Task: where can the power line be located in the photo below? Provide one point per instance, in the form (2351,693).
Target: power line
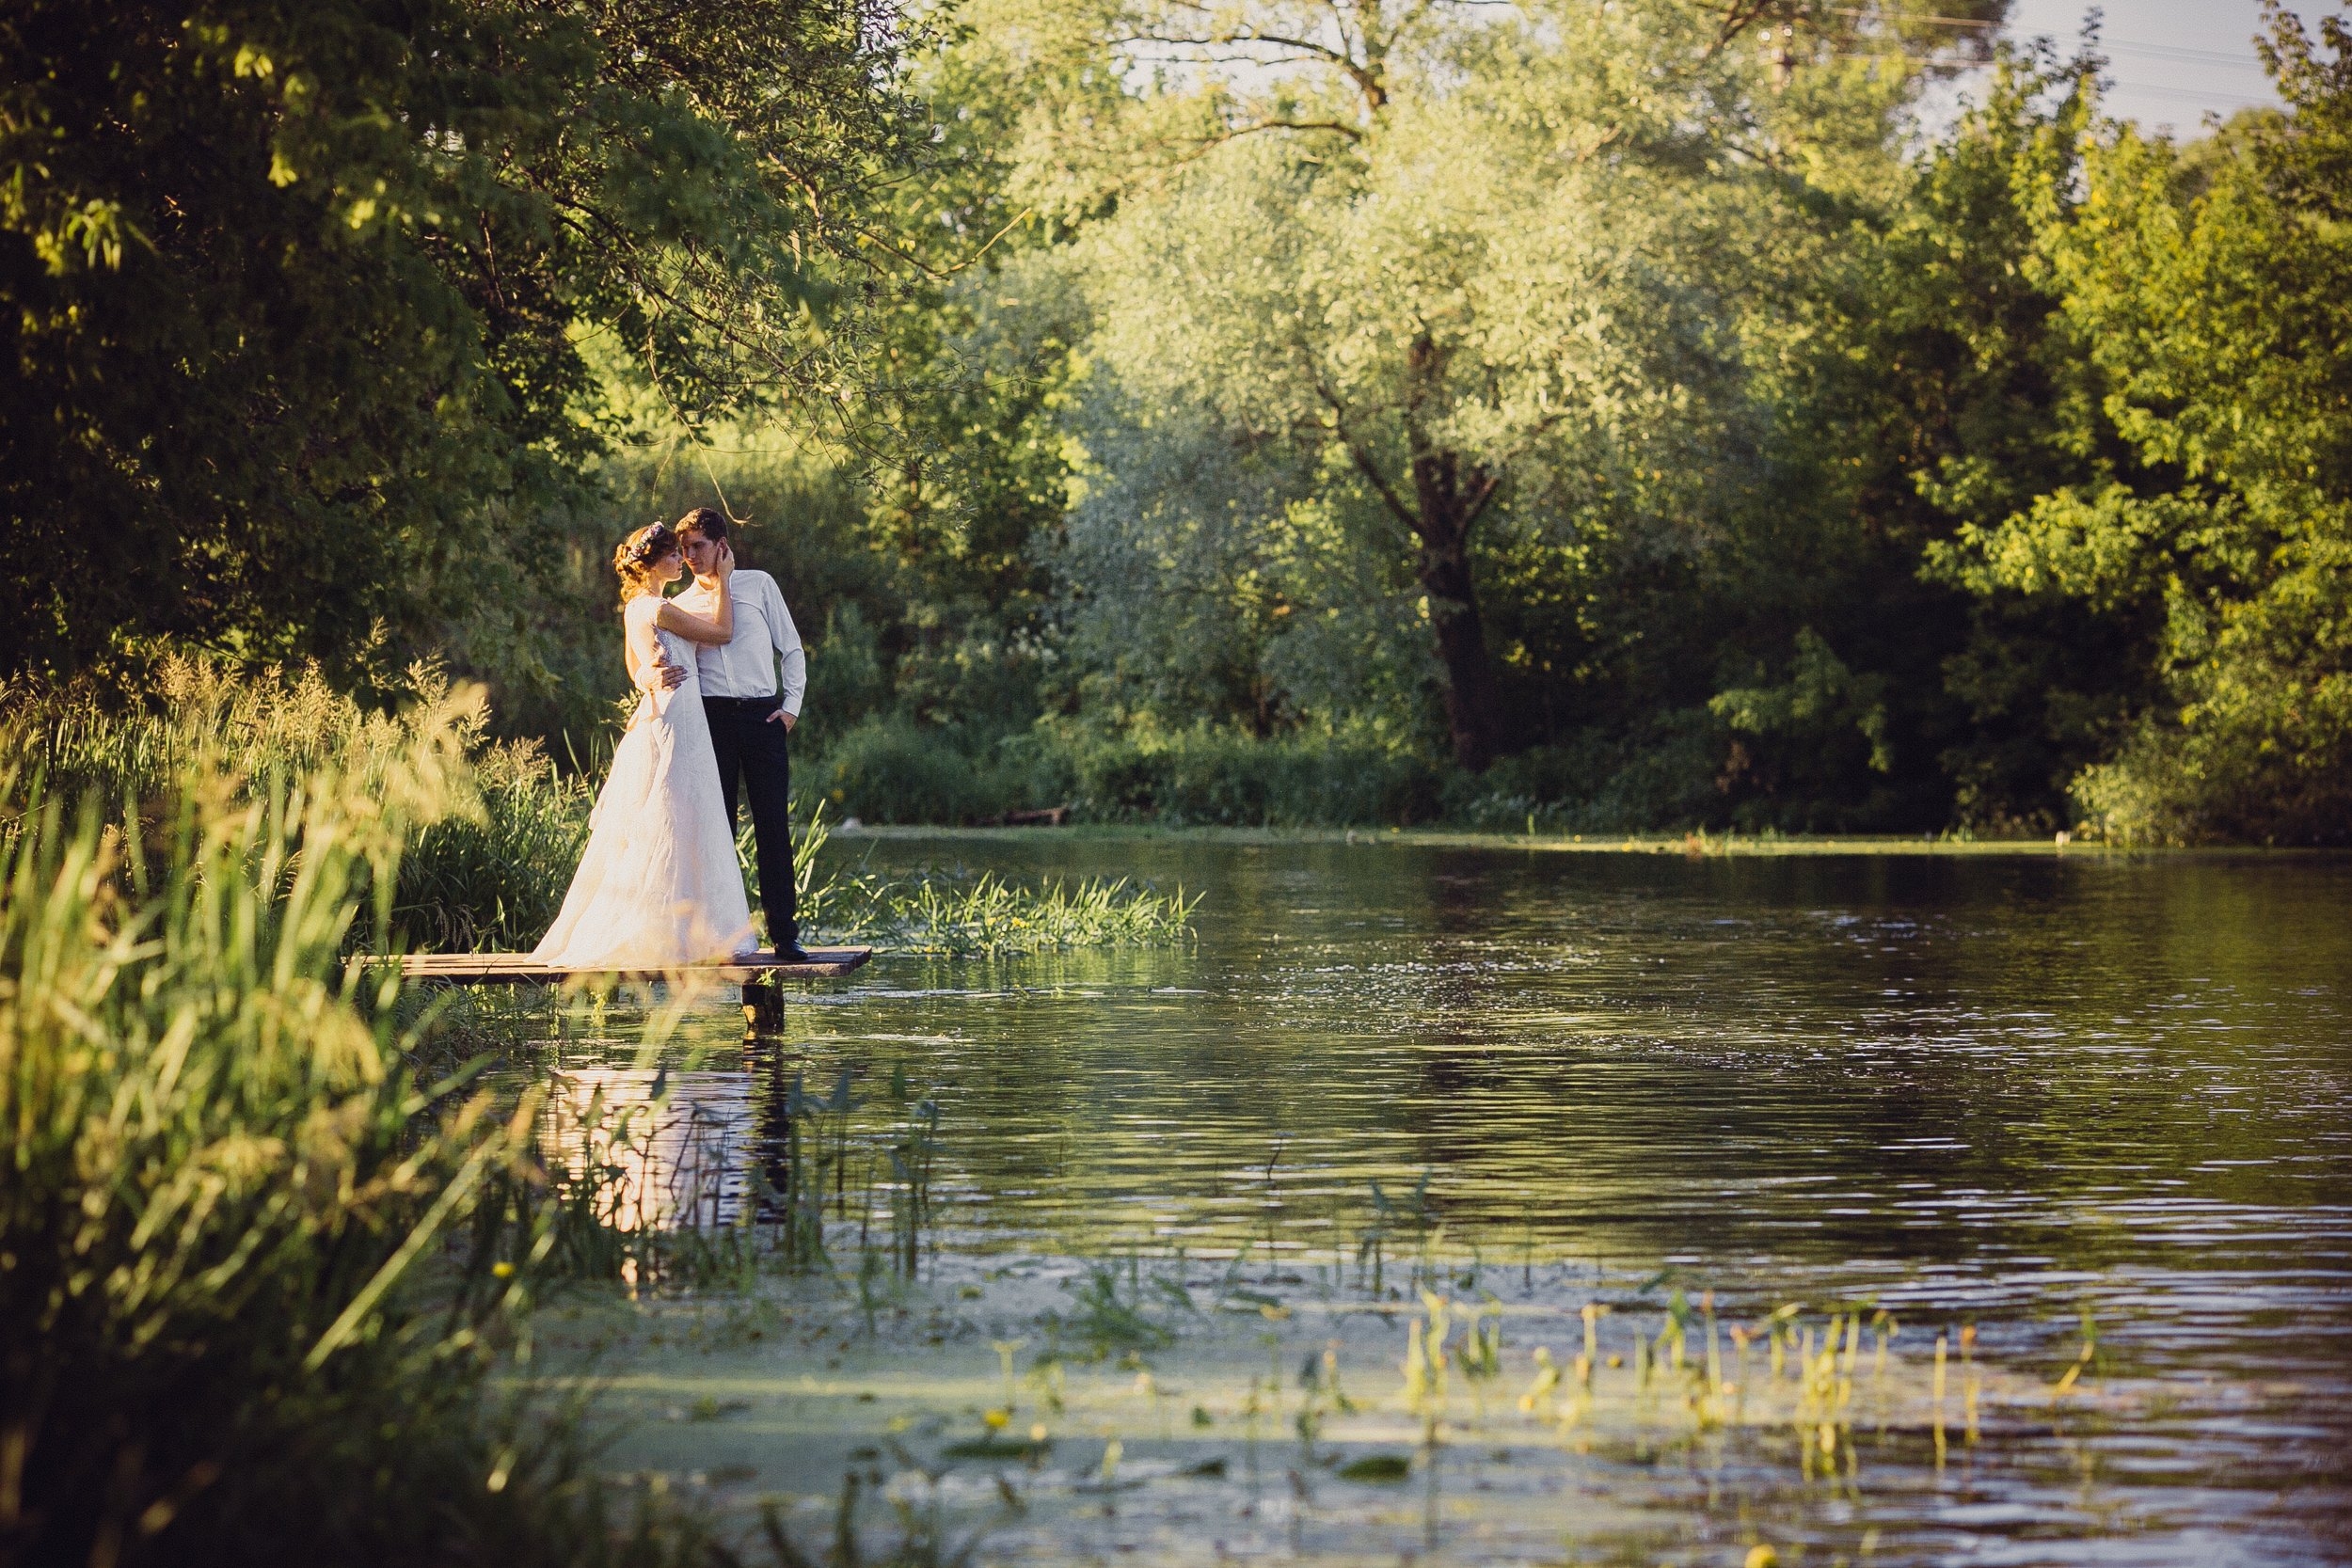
(2186,57)
(2196,95)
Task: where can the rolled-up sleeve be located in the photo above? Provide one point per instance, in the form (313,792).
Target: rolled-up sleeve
(789,650)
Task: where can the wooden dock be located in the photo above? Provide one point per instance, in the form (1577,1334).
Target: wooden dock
(522,969)
(760,974)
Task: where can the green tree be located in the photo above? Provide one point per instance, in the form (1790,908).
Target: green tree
(1925,378)
(305,304)
(2213,285)
(1435,328)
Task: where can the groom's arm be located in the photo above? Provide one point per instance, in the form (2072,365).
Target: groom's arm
(792,660)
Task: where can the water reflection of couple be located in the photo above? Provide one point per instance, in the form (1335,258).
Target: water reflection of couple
(721,672)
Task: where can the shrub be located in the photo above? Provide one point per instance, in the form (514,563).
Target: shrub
(1226,777)
(886,770)
(1666,777)
(2169,785)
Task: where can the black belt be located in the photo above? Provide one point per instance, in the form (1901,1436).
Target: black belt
(772,700)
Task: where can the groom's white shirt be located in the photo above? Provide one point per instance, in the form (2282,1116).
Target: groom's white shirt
(764,635)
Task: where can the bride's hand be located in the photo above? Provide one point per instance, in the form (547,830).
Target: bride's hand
(723,567)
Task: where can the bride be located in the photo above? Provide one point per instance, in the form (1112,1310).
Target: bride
(659,884)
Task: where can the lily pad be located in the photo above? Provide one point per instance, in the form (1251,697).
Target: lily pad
(1377,1469)
(990,1448)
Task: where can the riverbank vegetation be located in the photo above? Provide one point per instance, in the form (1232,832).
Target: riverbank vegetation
(487,868)
(271,1242)
(293,1277)
(1154,414)
(261,1258)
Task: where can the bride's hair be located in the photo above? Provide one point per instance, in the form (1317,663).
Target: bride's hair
(634,557)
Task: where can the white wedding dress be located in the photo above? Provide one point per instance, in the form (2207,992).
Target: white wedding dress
(659,884)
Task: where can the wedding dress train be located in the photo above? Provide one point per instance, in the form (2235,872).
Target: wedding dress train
(659,884)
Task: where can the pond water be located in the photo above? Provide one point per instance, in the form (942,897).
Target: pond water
(2048,1096)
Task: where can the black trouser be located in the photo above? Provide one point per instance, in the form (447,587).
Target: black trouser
(753,754)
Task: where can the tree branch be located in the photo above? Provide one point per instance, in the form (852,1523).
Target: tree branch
(1739,16)
(1363,459)
(1487,484)
(1236,133)
(932,272)
(1375,93)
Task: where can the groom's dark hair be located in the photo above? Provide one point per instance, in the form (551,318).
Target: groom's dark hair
(702,520)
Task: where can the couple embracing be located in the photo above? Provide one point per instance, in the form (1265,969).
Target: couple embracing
(721,672)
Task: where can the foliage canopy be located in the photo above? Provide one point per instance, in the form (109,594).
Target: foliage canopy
(310,306)
(1627,415)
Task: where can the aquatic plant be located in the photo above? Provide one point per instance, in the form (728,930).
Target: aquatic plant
(914,1159)
(1105,1319)
(663,1194)
(987,916)
(1416,1217)
(923,1540)
(598,1205)
(980,917)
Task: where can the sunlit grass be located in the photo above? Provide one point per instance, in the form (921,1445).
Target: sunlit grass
(986,916)
(223,1182)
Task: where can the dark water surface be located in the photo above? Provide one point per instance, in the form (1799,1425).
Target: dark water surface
(2010,1091)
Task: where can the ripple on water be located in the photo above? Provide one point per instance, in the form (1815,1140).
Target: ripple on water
(2022,1091)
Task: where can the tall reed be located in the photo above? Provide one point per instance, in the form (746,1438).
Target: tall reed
(238,1325)
(487,872)
(487,869)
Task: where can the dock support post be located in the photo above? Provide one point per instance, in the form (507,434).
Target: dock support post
(763,1006)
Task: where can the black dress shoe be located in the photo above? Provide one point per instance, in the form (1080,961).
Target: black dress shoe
(793,953)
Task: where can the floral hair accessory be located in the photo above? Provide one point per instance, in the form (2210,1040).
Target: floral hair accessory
(656,541)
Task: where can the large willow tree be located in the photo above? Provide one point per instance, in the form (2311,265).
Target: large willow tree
(306,306)
(1455,260)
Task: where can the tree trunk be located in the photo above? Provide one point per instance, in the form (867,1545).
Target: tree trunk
(1444,512)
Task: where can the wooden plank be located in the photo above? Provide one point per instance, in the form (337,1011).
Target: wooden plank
(522,969)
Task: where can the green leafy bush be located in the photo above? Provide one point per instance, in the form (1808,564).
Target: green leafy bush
(887,769)
(1236,780)
(1665,777)
(492,880)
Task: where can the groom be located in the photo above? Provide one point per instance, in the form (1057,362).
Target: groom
(750,716)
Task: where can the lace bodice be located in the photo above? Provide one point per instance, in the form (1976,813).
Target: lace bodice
(638,621)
